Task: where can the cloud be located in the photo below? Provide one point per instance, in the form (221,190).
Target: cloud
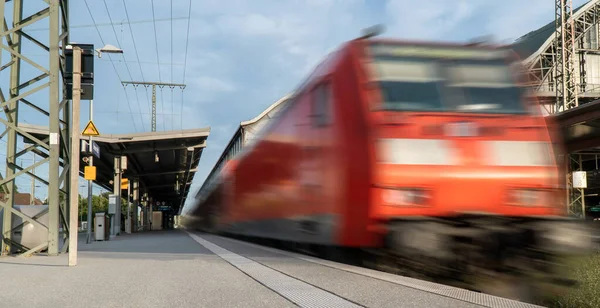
(426,20)
(508,24)
(208,87)
(462,20)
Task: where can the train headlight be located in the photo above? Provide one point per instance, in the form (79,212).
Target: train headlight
(530,197)
(406,197)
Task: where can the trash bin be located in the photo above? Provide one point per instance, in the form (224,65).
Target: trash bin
(100,227)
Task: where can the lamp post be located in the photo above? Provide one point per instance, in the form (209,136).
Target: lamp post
(106,49)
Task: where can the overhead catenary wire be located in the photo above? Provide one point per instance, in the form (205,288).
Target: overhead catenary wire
(137,54)
(162,105)
(156,42)
(106,24)
(172,102)
(126,65)
(187,41)
(113,63)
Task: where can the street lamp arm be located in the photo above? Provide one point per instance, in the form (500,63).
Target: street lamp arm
(108,48)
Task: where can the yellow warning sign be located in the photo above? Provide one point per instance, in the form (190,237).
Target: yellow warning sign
(124,183)
(89,173)
(90,130)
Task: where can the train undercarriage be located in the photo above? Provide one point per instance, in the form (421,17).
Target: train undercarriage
(513,257)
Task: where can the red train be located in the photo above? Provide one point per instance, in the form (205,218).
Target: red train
(430,152)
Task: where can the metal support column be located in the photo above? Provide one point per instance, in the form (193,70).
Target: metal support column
(119,211)
(55,16)
(55,135)
(12,114)
(576,199)
(154,84)
(153,107)
(142,209)
(117,192)
(148,212)
(90,183)
(32,197)
(136,191)
(566,83)
(128,227)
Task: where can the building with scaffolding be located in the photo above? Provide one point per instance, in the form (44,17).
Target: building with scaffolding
(563,62)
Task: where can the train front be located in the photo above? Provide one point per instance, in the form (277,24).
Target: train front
(465,175)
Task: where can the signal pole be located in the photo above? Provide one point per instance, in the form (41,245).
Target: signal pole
(90,208)
(153,84)
(74,163)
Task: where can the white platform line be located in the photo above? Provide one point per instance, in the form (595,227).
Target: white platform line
(294,290)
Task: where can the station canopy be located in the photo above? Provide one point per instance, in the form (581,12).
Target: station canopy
(165,162)
(580,127)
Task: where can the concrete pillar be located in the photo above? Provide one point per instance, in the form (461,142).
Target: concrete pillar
(115,223)
(136,203)
(145,211)
(149,212)
(129,214)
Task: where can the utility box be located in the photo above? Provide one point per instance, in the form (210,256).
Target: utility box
(157,220)
(101,227)
(113,204)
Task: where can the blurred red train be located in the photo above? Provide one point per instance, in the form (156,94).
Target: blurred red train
(428,151)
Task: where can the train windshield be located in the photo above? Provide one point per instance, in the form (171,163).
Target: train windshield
(471,81)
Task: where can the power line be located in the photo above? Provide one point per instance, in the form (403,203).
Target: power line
(156,42)
(148,62)
(126,66)
(172,102)
(187,41)
(113,63)
(136,51)
(109,24)
(162,105)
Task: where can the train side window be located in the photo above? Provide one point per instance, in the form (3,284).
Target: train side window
(321,105)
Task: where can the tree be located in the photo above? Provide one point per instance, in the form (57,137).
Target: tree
(99,205)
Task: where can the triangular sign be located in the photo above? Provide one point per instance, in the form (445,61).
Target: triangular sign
(90,130)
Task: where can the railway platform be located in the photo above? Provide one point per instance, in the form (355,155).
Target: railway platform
(178,268)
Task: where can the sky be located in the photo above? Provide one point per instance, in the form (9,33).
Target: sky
(240,55)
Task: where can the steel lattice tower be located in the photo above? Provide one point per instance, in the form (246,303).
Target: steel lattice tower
(566,89)
(54,149)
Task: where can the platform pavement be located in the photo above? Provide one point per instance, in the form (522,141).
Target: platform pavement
(178,269)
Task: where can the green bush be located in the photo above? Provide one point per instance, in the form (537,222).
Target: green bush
(587,294)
